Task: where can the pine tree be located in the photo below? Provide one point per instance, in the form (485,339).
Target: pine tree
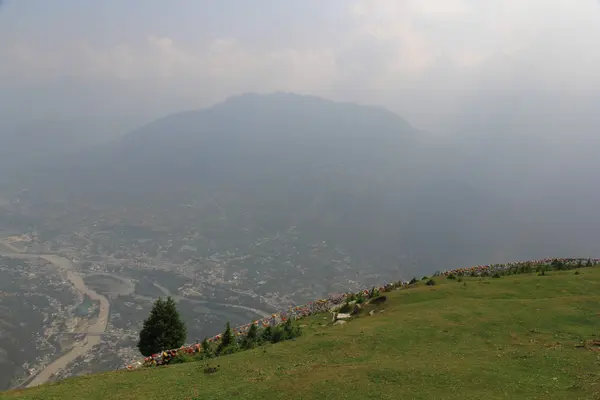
(163,329)
(267,333)
(251,338)
(227,339)
(206,349)
(291,330)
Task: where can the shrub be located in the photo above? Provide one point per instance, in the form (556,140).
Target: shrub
(451,276)
(558,265)
(412,281)
(183,358)
(211,370)
(346,308)
(424,278)
(374,292)
(360,298)
(577,272)
(430,282)
(232,348)
(496,275)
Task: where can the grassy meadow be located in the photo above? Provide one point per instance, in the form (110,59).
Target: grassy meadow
(515,337)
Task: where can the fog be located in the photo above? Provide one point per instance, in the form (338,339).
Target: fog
(439,63)
(514,84)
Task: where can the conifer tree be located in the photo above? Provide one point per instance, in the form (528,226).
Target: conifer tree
(267,333)
(291,330)
(227,339)
(206,349)
(251,338)
(163,329)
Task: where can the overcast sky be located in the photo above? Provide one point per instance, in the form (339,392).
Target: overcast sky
(429,60)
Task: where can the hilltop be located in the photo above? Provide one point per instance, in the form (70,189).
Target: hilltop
(516,337)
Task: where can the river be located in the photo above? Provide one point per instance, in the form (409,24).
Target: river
(96,325)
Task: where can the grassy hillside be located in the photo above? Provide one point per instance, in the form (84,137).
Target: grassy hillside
(516,337)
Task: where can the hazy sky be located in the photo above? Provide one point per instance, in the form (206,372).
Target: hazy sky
(428,60)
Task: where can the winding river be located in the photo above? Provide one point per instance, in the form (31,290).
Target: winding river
(95,326)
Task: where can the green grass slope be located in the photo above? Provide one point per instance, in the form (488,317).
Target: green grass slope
(517,337)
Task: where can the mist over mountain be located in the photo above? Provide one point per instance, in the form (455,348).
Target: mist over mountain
(221,153)
(29,144)
(357,177)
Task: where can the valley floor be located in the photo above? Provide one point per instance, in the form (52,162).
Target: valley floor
(516,337)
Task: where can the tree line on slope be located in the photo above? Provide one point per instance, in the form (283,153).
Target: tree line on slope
(163,336)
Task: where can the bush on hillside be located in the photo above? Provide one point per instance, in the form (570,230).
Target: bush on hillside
(232,348)
(424,278)
(451,276)
(210,369)
(558,265)
(360,298)
(430,282)
(346,308)
(496,275)
(412,281)
(283,332)
(374,292)
(163,329)
(185,358)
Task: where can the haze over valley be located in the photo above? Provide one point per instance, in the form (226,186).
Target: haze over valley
(242,172)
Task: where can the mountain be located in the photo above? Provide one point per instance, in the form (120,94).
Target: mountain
(285,160)
(358,178)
